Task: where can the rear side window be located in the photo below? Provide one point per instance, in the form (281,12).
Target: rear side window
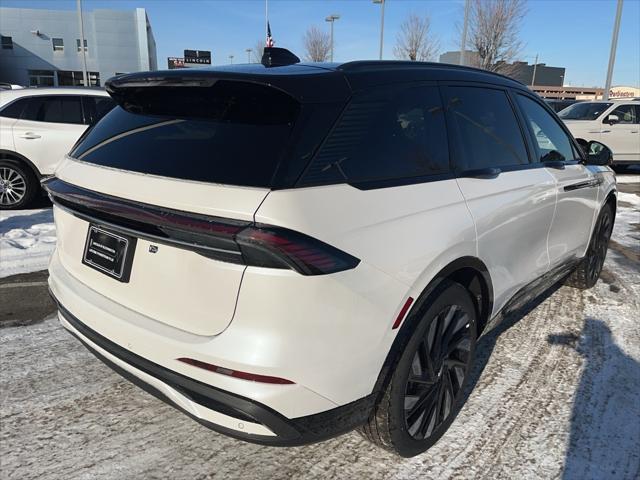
(96,107)
(486,129)
(552,143)
(385,135)
(239,137)
(54,109)
(14,109)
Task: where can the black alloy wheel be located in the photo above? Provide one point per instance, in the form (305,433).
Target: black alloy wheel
(428,385)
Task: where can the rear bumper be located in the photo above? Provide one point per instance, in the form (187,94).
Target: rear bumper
(219,410)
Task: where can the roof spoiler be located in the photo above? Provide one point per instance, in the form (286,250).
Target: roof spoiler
(278,57)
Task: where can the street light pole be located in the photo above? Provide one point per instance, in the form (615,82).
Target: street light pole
(249,50)
(535,67)
(85,75)
(465,26)
(332,18)
(381,2)
(612,54)
(231,58)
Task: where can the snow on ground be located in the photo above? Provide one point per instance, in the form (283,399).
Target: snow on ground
(556,394)
(27,239)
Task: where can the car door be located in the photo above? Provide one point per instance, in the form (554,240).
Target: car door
(623,136)
(48,128)
(511,200)
(576,184)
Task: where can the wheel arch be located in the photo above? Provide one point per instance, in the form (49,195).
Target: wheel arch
(11,155)
(471,273)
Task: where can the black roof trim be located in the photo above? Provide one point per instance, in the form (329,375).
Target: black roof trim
(381,65)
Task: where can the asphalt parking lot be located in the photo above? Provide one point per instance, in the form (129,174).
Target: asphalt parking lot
(556,393)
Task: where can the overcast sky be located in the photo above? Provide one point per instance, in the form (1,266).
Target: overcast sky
(575,34)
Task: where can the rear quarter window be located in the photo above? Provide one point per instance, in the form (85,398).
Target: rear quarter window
(238,139)
(384,135)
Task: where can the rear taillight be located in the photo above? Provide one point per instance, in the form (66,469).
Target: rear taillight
(254,377)
(223,239)
(274,247)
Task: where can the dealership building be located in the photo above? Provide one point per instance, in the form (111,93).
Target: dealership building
(40,47)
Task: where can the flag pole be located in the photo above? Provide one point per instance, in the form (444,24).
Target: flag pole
(266,17)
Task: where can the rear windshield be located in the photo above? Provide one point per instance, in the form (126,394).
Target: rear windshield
(236,136)
(583,111)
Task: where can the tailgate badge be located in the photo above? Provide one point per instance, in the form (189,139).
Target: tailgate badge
(153,248)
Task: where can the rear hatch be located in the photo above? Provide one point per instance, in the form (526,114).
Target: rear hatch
(155,202)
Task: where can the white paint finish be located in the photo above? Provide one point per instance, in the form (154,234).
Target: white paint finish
(401,231)
(43,143)
(622,138)
(174,286)
(173,395)
(575,213)
(329,333)
(198,197)
(235,348)
(512,213)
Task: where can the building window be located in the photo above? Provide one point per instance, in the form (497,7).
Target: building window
(78,44)
(67,78)
(6,42)
(41,78)
(58,44)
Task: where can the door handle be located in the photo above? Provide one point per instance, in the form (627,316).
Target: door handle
(558,165)
(487,173)
(29,135)
(606,131)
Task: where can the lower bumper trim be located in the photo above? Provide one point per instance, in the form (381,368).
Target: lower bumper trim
(288,432)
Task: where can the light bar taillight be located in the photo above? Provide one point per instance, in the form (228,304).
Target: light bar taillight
(224,239)
(236,373)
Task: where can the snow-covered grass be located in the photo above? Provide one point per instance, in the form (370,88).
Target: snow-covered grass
(27,239)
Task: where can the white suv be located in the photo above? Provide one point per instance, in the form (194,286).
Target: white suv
(286,253)
(616,123)
(37,128)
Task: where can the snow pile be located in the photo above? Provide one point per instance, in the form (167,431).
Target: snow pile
(27,240)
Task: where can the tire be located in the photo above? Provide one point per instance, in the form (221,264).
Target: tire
(588,270)
(425,380)
(18,185)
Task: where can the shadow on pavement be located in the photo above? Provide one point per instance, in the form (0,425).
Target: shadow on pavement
(25,220)
(605,421)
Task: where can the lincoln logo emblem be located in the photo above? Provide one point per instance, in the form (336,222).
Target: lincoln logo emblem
(153,248)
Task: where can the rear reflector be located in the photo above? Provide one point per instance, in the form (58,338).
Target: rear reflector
(403,313)
(235,373)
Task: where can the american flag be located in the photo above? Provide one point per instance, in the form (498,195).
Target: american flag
(270,43)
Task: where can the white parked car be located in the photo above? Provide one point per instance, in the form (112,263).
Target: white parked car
(38,127)
(285,253)
(616,123)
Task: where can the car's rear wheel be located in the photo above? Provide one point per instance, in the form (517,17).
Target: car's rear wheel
(588,270)
(427,387)
(18,185)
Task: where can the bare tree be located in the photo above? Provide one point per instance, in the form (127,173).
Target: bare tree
(317,44)
(258,50)
(416,40)
(494,26)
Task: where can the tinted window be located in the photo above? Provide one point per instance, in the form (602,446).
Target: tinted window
(55,109)
(627,114)
(385,135)
(584,111)
(14,110)
(551,141)
(96,107)
(487,131)
(6,42)
(240,144)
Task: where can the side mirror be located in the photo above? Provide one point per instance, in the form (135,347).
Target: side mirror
(597,153)
(613,119)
